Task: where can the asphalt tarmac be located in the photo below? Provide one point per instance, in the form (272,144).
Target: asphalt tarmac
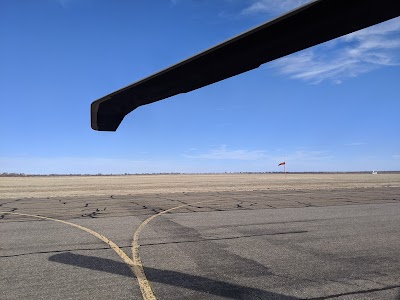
(301,244)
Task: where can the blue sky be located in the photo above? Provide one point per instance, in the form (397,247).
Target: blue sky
(334,107)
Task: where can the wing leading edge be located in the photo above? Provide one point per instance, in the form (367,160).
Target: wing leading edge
(307,26)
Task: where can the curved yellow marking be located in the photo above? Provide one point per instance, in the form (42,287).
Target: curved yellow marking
(106,240)
(136,263)
(144,283)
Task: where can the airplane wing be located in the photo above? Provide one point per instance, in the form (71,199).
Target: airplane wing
(307,26)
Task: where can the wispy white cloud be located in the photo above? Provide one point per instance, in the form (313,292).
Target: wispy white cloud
(347,56)
(312,155)
(64,3)
(223,158)
(355,144)
(222,152)
(80,165)
(272,6)
(220,159)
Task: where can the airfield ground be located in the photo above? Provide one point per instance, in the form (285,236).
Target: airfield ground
(235,236)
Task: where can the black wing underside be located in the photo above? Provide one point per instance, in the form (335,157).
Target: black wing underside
(307,26)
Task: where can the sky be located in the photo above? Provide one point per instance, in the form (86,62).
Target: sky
(332,107)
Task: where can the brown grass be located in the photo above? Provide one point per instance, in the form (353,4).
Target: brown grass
(40,187)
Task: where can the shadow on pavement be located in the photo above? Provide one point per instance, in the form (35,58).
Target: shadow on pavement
(178,279)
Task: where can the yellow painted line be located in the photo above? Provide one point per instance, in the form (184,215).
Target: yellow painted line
(144,283)
(106,240)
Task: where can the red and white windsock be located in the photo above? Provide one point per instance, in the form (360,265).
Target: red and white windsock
(282,163)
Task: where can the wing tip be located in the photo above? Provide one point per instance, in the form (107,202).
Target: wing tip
(102,119)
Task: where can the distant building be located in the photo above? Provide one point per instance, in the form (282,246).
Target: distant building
(374,172)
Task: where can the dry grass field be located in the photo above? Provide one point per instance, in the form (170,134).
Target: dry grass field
(86,186)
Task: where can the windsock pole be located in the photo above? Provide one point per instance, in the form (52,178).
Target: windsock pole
(284,169)
(284,165)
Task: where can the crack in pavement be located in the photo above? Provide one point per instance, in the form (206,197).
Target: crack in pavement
(58,251)
(391,287)
(224,238)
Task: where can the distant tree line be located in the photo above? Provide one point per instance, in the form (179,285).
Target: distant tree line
(12,174)
(6,174)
